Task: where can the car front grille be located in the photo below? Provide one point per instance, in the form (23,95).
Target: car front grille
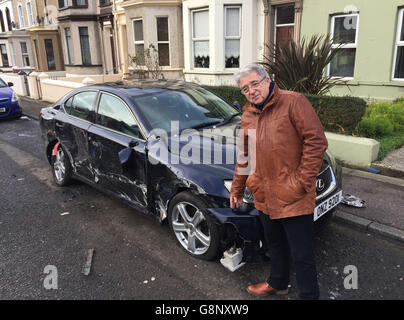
(325,182)
(3,100)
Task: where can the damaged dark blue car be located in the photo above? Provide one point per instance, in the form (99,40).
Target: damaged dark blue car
(168,149)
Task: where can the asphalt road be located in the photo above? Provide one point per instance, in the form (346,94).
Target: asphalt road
(44,229)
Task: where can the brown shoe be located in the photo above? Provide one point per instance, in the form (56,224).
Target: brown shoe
(264,289)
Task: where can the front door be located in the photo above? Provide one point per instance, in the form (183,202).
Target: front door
(50,55)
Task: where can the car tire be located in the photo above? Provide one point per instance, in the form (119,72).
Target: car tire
(61,168)
(194,230)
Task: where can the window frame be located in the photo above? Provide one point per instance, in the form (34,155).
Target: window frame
(193,40)
(141,130)
(30,14)
(93,108)
(69,55)
(21,18)
(276,24)
(239,7)
(47,54)
(89,46)
(344,46)
(25,54)
(137,42)
(398,43)
(65,4)
(164,42)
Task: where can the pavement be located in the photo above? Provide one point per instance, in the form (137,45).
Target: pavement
(383,192)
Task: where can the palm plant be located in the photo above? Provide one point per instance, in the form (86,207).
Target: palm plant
(301,66)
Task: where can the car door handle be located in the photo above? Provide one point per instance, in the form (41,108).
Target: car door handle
(60,125)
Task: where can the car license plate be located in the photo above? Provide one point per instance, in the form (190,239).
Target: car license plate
(327,205)
(3,110)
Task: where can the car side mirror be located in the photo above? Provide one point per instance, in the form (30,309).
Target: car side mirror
(237,106)
(10,84)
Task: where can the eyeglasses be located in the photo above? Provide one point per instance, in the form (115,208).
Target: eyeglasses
(254,85)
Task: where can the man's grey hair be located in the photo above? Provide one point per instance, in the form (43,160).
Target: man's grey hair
(248,69)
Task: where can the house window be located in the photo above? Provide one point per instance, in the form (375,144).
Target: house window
(139,41)
(50,56)
(232,34)
(284,24)
(21,17)
(398,71)
(4,56)
(29,14)
(79,3)
(200,38)
(8,17)
(62,4)
(344,32)
(24,53)
(85,46)
(105,2)
(69,46)
(163,43)
(3,28)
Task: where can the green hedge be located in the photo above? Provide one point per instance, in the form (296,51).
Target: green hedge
(337,114)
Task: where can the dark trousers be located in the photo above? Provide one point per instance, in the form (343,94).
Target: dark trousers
(292,237)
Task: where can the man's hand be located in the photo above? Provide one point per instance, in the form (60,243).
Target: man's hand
(235,202)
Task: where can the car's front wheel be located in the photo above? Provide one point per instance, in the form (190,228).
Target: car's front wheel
(194,230)
(61,168)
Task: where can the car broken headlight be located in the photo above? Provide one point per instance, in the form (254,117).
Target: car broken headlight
(14,98)
(247,196)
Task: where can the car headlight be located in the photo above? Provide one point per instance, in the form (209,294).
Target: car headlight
(14,98)
(247,196)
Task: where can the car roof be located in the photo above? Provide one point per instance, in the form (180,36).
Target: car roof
(132,86)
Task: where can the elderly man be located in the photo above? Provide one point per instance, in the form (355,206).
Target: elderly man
(290,144)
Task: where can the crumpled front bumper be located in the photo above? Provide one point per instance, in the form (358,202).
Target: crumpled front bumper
(248,227)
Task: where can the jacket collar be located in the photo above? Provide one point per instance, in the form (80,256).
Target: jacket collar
(270,102)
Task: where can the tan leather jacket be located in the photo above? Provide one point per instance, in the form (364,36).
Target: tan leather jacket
(290,144)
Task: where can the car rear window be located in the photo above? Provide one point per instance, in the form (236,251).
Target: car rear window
(81,104)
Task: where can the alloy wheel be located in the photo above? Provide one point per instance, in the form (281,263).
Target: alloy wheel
(191,228)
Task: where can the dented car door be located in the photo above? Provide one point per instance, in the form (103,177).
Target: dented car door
(118,152)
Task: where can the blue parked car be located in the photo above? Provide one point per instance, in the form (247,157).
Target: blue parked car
(9,106)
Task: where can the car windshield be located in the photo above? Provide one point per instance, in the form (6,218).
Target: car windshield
(190,107)
(2,84)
